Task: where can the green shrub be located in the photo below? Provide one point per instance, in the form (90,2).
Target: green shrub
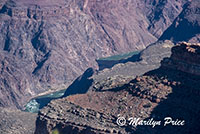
(55,131)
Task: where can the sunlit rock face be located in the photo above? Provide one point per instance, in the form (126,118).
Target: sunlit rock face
(186,60)
(40,2)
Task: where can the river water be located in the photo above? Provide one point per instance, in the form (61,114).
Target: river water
(35,104)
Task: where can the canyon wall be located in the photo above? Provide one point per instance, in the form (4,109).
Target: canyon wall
(53,42)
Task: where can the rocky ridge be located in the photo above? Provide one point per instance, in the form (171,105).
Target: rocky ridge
(163,92)
(121,73)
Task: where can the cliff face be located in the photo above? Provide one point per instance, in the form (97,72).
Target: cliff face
(187,22)
(13,81)
(185,57)
(134,24)
(53,42)
(167,91)
(161,14)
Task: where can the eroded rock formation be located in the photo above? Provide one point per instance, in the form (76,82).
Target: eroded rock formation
(157,94)
(185,57)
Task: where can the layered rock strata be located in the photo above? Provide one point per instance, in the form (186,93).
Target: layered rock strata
(160,93)
(186,59)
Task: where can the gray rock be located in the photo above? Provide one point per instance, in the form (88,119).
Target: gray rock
(16,122)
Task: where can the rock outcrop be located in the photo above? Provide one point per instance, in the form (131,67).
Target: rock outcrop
(185,57)
(121,73)
(53,42)
(16,122)
(164,92)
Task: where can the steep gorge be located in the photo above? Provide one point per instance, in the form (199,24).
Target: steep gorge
(47,44)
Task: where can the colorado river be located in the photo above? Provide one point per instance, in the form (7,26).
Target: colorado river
(35,104)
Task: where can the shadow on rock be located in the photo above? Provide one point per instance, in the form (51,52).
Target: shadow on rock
(81,84)
(181,105)
(110,63)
